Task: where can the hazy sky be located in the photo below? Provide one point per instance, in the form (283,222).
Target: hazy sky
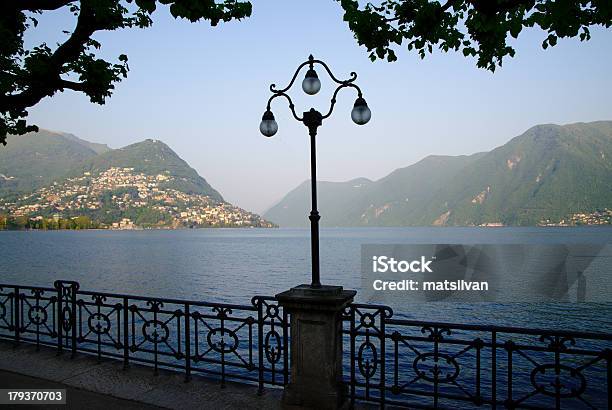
(203,90)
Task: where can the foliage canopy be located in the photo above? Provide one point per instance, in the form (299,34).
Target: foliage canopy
(29,75)
(476,28)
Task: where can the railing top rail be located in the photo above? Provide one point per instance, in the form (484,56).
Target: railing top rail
(503,329)
(387,309)
(484,327)
(148,298)
(4,285)
(170,300)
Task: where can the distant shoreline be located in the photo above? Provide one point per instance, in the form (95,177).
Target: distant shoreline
(609,226)
(140,229)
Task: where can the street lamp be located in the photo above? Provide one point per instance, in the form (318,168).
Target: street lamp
(313,119)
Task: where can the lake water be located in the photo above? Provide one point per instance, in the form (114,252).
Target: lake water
(232,265)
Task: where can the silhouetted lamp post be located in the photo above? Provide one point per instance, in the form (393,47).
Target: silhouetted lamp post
(313,119)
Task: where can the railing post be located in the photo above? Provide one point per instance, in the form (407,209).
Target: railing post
(222,345)
(316,345)
(285,348)
(436,335)
(187,343)
(126,339)
(478,344)
(383,316)
(16,314)
(352,341)
(494,370)
(260,345)
(509,347)
(60,321)
(609,371)
(73,317)
(557,347)
(66,313)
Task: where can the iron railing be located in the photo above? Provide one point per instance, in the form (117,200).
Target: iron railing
(232,342)
(388,361)
(419,364)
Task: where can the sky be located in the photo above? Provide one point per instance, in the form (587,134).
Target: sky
(202,90)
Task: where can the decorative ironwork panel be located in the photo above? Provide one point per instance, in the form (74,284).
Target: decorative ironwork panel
(66,314)
(367,351)
(223,340)
(37,309)
(553,371)
(155,332)
(28,314)
(7,311)
(272,341)
(438,365)
(99,324)
(248,343)
(391,361)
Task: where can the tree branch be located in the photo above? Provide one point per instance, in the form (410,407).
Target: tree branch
(27,76)
(72,47)
(443,8)
(448,4)
(48,83)
(72,85)
(32,5)
(488,7)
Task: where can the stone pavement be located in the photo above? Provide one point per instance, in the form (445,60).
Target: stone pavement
(93,385)
(77,398)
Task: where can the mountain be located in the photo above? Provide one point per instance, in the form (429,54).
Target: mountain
(334,197)
(549,172)
(151,157)
(56,180)
(545,175)
(97,148)
(36,159)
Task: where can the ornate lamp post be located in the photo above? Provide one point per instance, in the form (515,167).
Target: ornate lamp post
(315,311)
(313,119)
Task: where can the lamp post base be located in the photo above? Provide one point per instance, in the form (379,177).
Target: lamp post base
(316,346)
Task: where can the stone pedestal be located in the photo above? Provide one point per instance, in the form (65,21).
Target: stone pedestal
(316,346)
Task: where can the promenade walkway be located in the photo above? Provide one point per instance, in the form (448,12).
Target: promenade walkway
(105,385)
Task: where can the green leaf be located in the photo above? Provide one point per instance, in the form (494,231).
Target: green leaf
(516,27)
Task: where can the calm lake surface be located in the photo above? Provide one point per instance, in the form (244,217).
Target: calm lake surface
(232,265)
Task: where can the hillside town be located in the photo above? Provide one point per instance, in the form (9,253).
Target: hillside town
(599,217)
(121,198)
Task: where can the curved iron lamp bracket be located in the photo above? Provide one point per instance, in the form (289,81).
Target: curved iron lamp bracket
(310,63)
(333,100)
(291,105)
